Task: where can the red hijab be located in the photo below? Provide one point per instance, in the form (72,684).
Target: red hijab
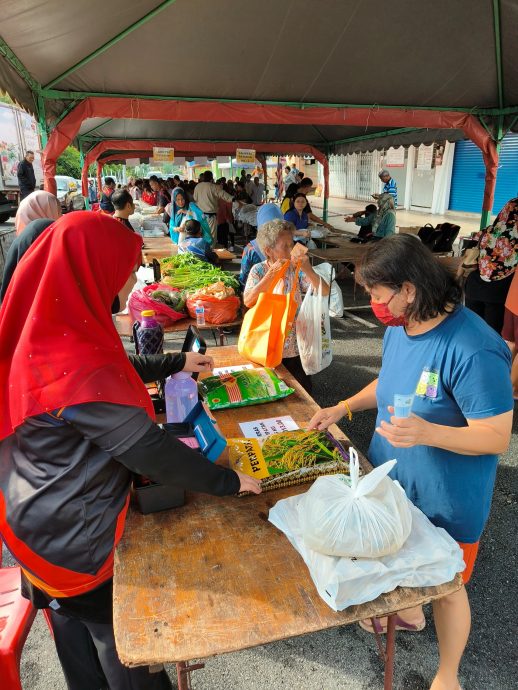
(58,344)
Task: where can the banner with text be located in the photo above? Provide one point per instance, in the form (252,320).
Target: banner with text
(163,155)
(245,156)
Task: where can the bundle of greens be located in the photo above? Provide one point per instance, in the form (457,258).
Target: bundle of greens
(186,272)
(175,300)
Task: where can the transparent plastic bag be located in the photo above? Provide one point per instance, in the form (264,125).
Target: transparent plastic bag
(336,300)
(313,329)
(367,519)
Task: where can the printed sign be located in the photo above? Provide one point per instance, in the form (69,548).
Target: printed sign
(395,158)
(424,157)
(245,156)
(163,155)
(132,162)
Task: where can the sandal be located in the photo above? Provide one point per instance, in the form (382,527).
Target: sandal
(401,624)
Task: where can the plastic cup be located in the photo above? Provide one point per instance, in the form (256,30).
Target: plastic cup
(403,404)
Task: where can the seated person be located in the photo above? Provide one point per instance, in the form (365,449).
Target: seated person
(195,244)
(384,222)
(108,189)
(298,216)
(306,187)
(364,219)
(124,206)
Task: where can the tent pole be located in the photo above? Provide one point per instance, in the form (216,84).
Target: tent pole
(42,122)
(84,174)
(326,187)
(491,173)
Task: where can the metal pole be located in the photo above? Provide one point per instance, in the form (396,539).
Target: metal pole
(82,163)
(485,216)
(42,122)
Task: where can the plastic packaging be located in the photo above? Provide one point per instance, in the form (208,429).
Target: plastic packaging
(200,314)
(149,334)
(141,300)
(181,396)
(247,387)
(403,404)
(314,332)
(217,311)
(368,519)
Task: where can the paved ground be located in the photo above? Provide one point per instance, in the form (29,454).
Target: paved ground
(345,658)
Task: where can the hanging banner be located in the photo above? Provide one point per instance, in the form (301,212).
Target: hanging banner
(133,162)
(222,160)
(180,160)
(163,155)
(395,158)
(201,160)
(245,156)
(424,157)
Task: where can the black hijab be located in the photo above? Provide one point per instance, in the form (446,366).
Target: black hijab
(29,234)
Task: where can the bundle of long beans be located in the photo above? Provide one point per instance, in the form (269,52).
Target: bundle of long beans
(291,450)
(186,272)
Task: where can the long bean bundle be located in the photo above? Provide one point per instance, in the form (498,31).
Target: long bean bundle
(291,450)
(186,272)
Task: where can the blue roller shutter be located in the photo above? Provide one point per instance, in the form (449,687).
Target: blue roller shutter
(467,180)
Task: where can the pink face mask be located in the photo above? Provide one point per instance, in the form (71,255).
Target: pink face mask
(382,313)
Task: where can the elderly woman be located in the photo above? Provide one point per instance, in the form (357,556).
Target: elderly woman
(36,206)
(457,369)
(275,240)
(384,222)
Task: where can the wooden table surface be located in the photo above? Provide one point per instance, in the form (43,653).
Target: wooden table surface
(162,247)
(124,325)
(345,252)
(215,576)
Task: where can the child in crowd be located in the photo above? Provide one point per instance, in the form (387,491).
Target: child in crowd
(195,244)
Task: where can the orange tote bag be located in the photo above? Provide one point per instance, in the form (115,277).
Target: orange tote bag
(267,323)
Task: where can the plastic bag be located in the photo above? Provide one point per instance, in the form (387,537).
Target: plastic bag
(368,519)
(140,300)
(217,311)
(428,558)
(314,332)
(336,300)
(246,387)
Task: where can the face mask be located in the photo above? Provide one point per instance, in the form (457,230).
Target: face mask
(382,313)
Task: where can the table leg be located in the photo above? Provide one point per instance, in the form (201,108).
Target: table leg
(183,672)
(387,652)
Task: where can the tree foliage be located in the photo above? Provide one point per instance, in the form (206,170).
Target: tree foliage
(69,163)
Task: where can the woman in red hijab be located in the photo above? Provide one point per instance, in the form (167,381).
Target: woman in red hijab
(76,422)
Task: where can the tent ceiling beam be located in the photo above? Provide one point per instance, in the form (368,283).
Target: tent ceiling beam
(498,53)
(143,20)
(376,135)
(18,66)
(55,94)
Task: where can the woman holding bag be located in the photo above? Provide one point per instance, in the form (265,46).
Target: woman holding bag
(275,240)
(456,370)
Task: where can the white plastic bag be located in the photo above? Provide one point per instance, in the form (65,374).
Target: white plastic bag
(336,301)
(314,332)
(429,557)
(368,519)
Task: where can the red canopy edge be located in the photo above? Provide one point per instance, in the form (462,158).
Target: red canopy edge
(204,111)
(127,149)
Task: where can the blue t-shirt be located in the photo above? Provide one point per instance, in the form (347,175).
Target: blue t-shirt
(199,247)
(301,222)
(459,370)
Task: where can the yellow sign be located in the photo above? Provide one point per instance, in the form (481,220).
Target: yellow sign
(245,156)
(163,155)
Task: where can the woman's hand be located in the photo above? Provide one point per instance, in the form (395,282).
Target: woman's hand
(274,270)
(248,483)
(304,262)
(324,418)
(405,432)
(349,219)
(198,363)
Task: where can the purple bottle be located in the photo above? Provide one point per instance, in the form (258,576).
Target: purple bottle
(181,395)
(149,334)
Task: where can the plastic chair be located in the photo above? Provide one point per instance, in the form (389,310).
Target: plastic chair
(16,617)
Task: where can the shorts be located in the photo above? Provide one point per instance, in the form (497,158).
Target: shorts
(510,327)
(469,554)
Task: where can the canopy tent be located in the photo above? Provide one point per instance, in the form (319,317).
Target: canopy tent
(352,76)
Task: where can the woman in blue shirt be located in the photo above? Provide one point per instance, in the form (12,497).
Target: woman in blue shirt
(384,222)
(457,369)
(298,216)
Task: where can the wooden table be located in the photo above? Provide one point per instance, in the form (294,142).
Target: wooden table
(214,576)
(124,325)
(162,247)
(345,252)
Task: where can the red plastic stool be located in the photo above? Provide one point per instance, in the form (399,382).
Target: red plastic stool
(16,617)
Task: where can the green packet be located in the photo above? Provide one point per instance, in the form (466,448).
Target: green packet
(240,388)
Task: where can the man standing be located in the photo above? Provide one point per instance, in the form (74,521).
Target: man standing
(26,176)
(257,192)
(389,185)
(92,192)
(124,207)
(206,196)
(291,176)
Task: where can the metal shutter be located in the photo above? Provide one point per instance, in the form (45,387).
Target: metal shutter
(468,175)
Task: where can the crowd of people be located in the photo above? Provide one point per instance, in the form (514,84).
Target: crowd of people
(77,419)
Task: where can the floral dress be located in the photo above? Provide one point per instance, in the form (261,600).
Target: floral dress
(499,245)
(257,273)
